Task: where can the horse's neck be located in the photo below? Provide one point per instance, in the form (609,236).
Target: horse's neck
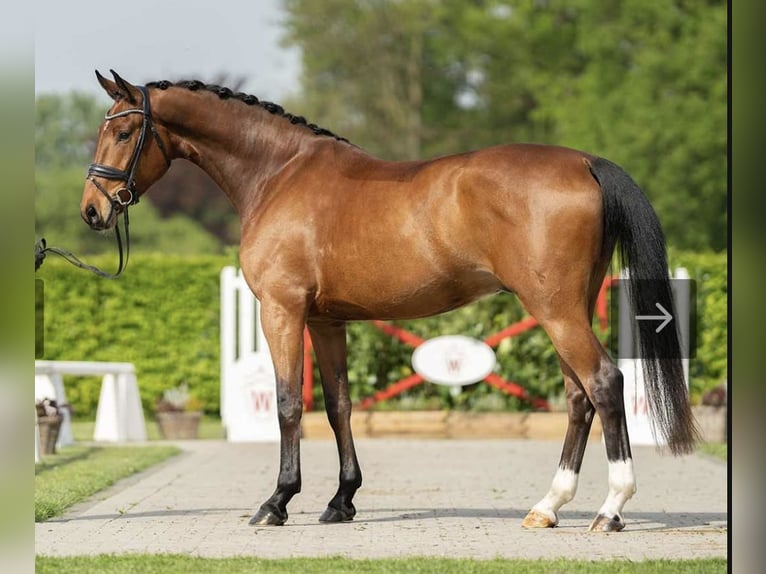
(240,147)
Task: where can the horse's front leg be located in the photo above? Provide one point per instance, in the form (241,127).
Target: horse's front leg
(329,339)
(283,321)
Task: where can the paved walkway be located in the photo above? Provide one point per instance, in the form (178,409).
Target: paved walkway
(456,498)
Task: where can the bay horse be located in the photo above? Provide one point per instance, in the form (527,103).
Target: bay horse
(330,234)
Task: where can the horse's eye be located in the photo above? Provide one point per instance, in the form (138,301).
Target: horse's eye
(123,136)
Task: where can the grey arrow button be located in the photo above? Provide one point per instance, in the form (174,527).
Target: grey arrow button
(665,318)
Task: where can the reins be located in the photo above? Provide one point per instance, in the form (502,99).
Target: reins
(41,250)
(116,201)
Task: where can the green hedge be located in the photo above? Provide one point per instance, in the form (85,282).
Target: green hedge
(163,315)
(709,270)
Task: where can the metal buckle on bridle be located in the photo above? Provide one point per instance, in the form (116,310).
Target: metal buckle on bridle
(132,198)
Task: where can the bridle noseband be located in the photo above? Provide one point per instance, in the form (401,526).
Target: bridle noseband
(116,201)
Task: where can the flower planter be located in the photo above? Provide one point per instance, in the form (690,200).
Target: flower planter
(447,424)
(49,427)
(712,422)
(179,425)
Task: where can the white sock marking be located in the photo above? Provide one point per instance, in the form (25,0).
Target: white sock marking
(622,486)
(562,491)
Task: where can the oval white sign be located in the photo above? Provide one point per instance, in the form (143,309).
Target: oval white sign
(453,360)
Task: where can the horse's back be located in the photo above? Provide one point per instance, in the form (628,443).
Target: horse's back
(529,169)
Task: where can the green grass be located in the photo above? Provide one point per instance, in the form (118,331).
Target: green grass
(64,479)
(170,564)
(715,449)
(209,428)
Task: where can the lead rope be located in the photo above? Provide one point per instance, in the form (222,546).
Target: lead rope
(41,250)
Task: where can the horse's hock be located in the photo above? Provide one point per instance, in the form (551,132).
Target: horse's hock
(446,424)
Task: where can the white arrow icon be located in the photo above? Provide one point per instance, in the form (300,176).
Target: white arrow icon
(665,317)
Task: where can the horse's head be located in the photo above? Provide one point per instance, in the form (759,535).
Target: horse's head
(130,155)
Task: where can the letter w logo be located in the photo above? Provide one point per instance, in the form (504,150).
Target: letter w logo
(454,365)
(261,400)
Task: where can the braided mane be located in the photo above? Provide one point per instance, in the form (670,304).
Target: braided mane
(226,93)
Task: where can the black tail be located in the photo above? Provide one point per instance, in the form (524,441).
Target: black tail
(630,221)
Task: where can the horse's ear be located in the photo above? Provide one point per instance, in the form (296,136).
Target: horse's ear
(130,91)
(110,87)
(119,89)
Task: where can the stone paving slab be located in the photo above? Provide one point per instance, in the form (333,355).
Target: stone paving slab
(453,498)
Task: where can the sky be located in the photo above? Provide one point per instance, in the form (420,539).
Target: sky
(147,40)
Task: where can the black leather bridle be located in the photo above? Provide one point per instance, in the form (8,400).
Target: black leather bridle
(117,201)
(127,175)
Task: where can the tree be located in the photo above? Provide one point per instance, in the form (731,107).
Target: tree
(368,81)
(652,96)
(65,129)
(410,78)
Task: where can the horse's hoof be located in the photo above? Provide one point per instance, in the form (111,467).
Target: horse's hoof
(268,517)
(535,519)
(334,515)
(606,524)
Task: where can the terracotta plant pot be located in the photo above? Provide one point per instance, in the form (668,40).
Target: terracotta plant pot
(179,425)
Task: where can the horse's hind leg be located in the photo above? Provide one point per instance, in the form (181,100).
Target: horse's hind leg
(544,514)
(581,412)
(329,340)
(601,382)
(607,396)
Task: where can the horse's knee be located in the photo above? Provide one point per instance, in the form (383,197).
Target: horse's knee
(289,410)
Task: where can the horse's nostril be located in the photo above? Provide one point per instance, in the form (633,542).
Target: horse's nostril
(91,213)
